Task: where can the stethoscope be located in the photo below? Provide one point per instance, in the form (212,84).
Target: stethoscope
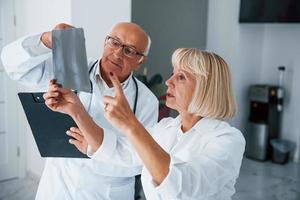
(134,80)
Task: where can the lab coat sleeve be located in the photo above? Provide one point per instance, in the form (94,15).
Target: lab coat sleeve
(119,150)
(28,61)
(205,174)
(107,148)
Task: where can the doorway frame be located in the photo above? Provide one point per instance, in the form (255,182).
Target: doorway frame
(9,24)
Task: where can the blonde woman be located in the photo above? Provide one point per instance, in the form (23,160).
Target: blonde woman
(196,155)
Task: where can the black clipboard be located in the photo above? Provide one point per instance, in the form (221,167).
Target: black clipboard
(48,127)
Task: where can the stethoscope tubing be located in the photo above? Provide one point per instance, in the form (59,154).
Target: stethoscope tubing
(135,83)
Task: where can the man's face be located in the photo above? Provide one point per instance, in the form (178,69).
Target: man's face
(115,60)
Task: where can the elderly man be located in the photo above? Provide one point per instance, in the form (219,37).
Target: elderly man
(29,61)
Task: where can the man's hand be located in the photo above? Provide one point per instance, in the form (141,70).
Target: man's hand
(46,37)
(62,100)
(78,139)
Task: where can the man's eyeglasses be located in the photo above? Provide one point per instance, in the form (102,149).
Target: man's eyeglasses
(127,50)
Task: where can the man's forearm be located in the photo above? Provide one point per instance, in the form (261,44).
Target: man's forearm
(91,131)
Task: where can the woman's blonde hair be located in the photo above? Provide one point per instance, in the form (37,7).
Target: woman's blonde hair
(213,95)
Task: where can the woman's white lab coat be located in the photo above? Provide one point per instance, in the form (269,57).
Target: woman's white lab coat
(205,161)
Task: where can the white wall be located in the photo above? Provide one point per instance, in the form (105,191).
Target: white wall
(35,16)
(254,51)
(240,46)
(281,46)
(96,17)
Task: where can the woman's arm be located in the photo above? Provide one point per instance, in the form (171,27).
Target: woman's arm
(118,112)
(208,172)
(155,159)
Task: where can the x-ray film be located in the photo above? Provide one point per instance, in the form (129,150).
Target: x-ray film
(70,60)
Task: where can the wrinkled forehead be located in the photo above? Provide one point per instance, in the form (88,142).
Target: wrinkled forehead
(131,35)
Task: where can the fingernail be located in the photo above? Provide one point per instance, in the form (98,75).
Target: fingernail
(70,141)
(68,132)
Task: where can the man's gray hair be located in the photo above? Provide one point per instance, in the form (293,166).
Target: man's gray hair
(146,52)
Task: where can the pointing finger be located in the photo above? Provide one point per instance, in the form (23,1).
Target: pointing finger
(116,83)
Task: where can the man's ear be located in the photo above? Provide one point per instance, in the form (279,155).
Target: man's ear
(140,62)
(143,60)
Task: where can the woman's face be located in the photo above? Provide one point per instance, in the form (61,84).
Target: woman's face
(181,86)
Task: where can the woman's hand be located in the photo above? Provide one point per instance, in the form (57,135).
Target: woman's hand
(118,112)
(78,139)
(62,100)
(117,109)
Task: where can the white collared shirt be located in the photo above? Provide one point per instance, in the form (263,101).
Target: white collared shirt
(103,85)
(29,62)
(205,161)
